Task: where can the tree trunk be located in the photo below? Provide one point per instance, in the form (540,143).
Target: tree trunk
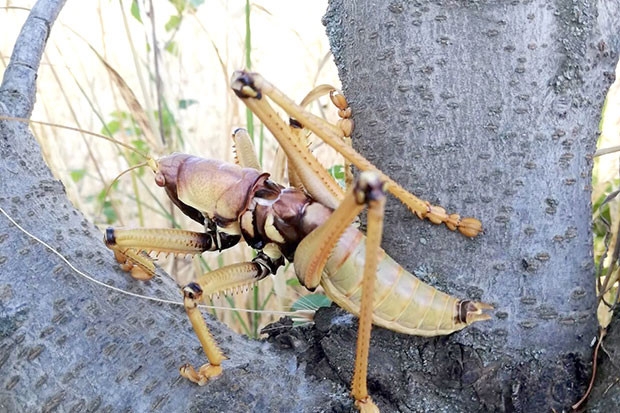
(489,109)
(503,102)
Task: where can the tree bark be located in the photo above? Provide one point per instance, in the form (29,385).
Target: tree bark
(489,109)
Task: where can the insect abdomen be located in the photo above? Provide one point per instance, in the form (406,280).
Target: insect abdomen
(402,302)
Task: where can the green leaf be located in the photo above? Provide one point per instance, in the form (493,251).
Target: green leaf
(111,128)
(140,145)
(134,158)
(101,196)
(78,174)
(293,282)
(337,171)
(179,5)
(172,48)
(135,10)
(311,302)
(109,213)
(173,23)
(186,103)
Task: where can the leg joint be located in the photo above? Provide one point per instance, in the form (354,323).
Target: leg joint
(267,264)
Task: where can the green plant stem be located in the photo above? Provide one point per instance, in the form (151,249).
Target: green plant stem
(255,316)
(243,324)
(249,116)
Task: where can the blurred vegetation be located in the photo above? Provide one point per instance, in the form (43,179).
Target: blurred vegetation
(606,207)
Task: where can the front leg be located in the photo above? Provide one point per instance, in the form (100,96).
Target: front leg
(128,246)
(132,246)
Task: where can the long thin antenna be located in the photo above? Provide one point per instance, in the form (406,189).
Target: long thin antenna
(120,290)
(71,128)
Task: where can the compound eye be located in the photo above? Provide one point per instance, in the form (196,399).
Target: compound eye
(160,180)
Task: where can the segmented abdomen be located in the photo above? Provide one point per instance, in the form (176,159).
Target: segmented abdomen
(402,302)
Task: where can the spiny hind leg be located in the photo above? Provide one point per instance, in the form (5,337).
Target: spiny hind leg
(371,191)
(313,252)
(345,123)
(251,87)
(315,179)
(371,188)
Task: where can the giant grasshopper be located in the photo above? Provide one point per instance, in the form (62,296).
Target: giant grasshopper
(310,224)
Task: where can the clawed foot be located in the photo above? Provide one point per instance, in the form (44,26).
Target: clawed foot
(139,266)
(366,405)
(203,375)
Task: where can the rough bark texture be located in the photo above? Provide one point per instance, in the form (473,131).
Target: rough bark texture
(605,395)
(488,108)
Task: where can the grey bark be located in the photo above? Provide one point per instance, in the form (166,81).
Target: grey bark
(493,109)
(490,109)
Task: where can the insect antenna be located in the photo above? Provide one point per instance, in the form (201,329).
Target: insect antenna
(149,161)
(120,290)
(131,168)
(75,129)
